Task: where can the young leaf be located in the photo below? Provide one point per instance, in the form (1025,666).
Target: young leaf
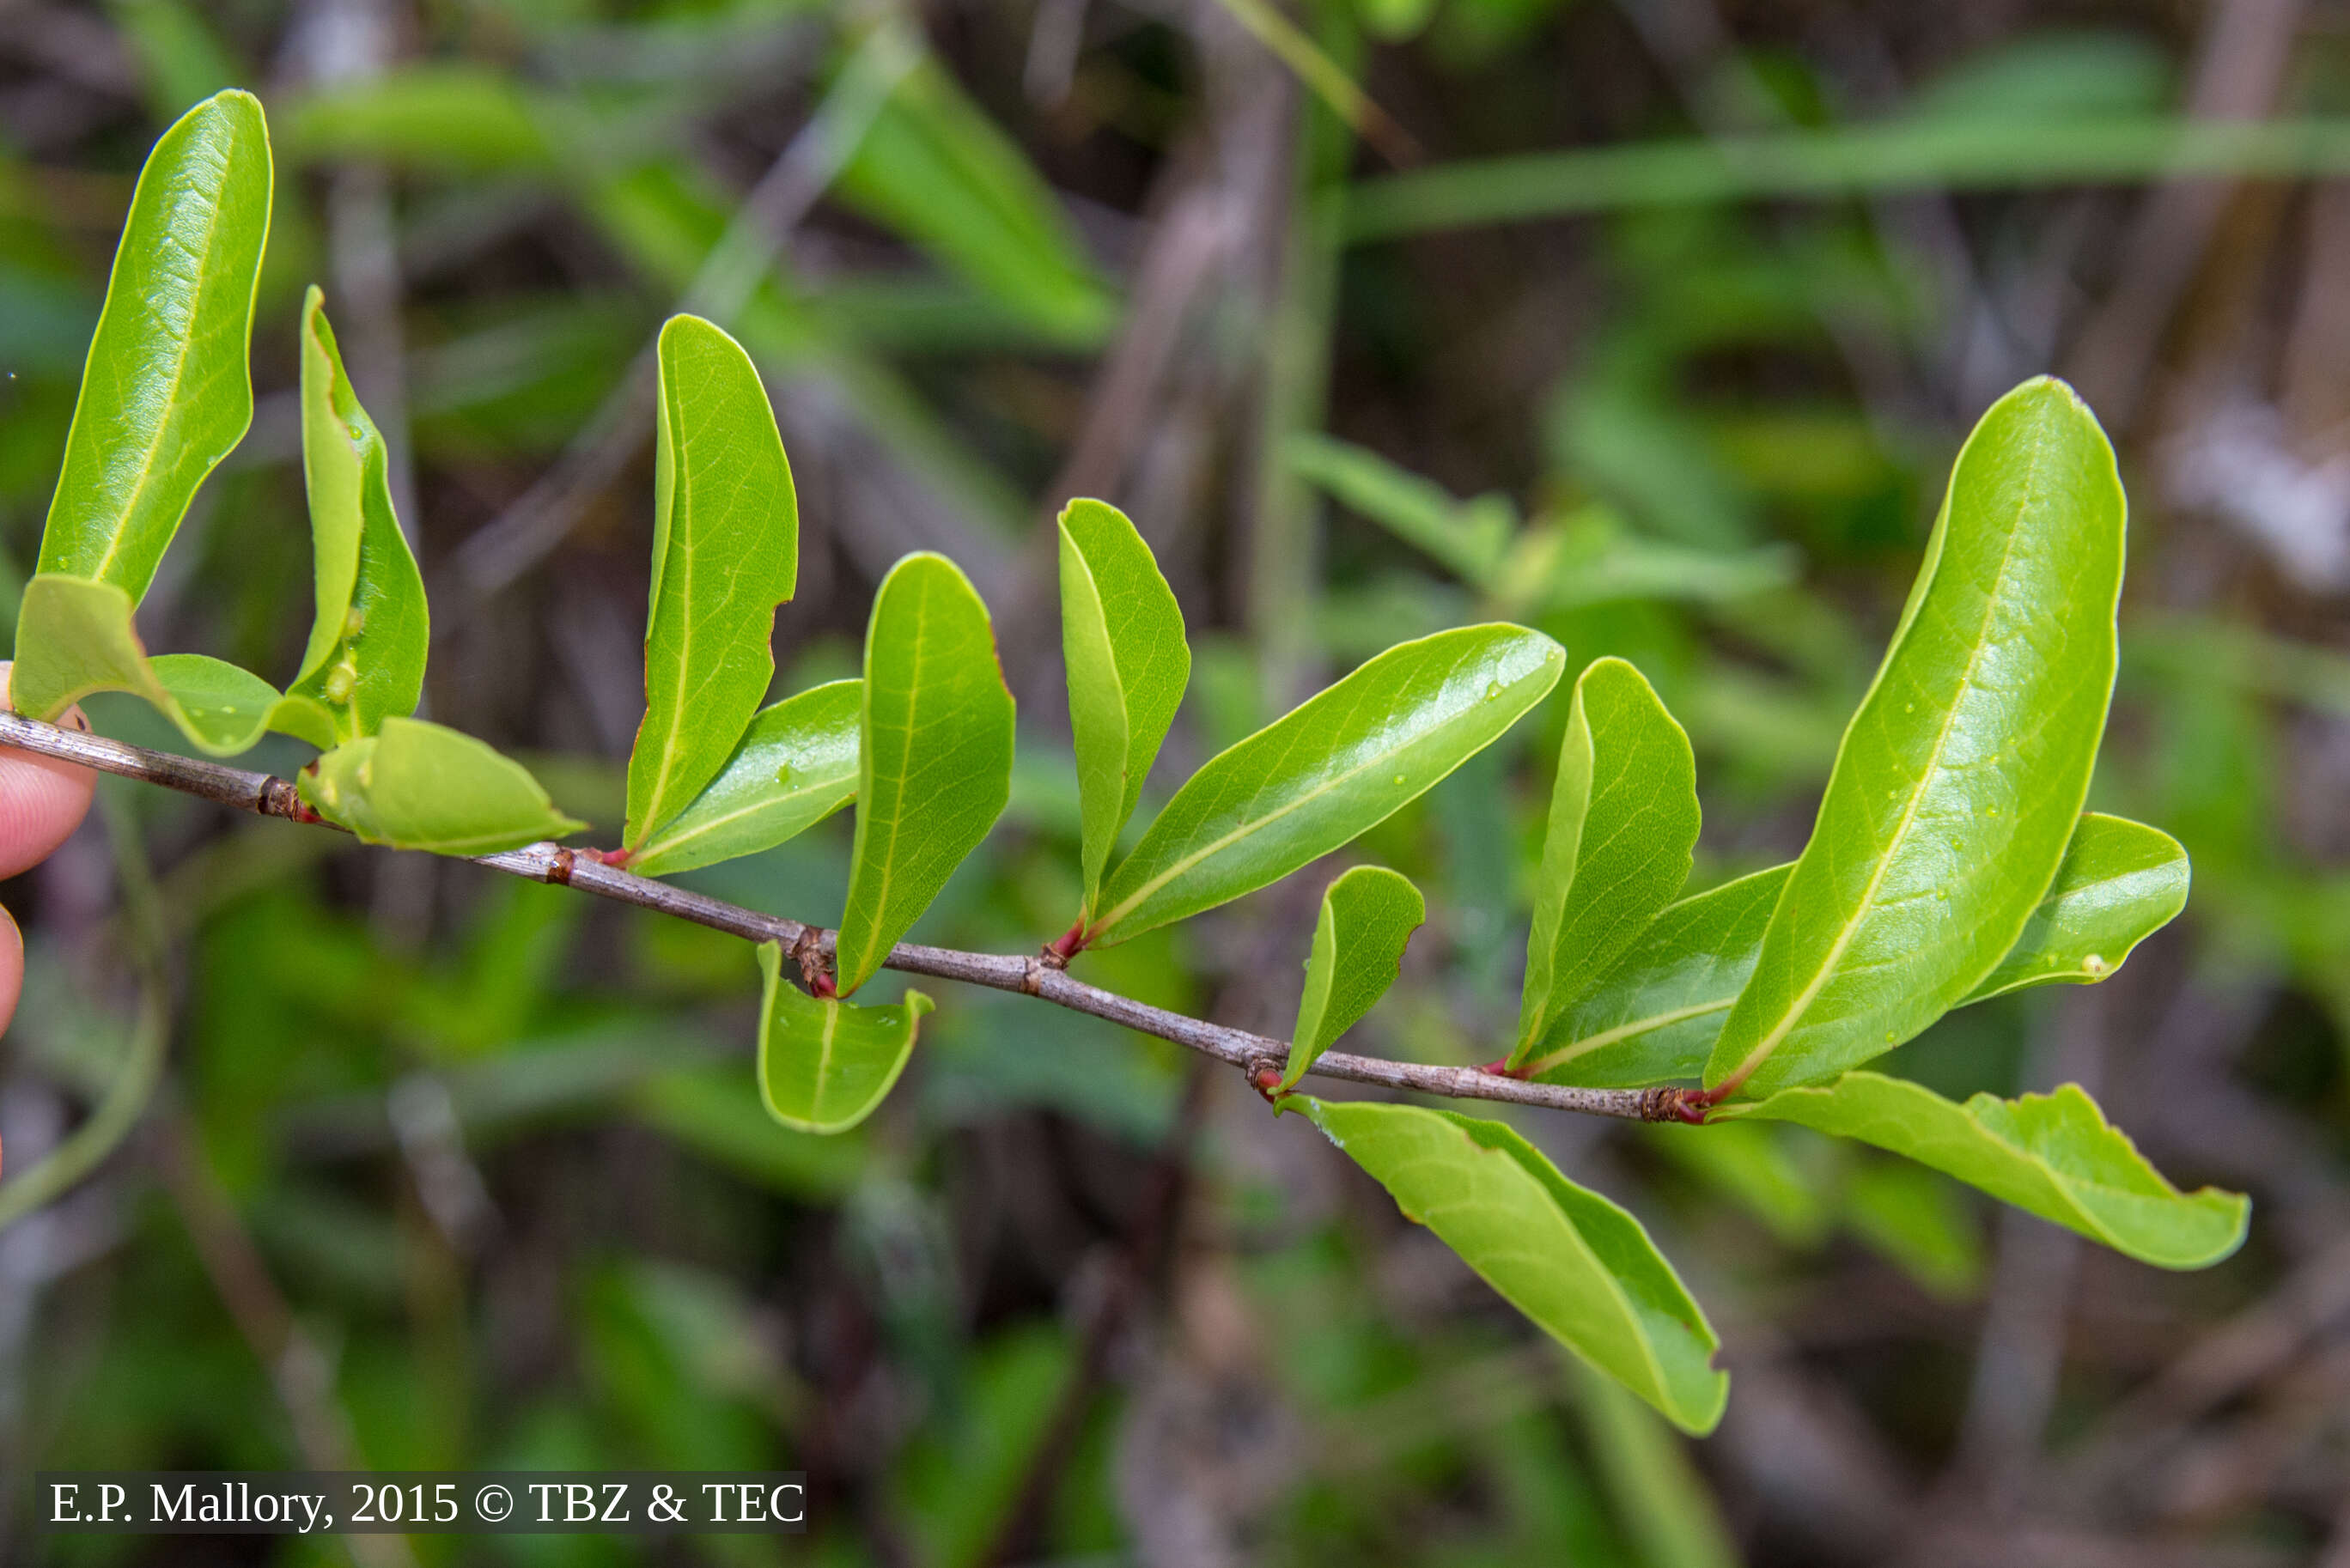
(1623,824)
(420,785)
(934,758)
(75,637)
(1573,1262)
(1333,767)
(167,390)
(1656,1014)
(1367,916)
(1122,639)
(1958,783)
(365,662)
(725,553)
(823,1064)
(796,765)
(2053,1155)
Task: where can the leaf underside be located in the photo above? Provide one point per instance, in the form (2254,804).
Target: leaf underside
(1579,1266)
(825,1064)
(2053,1155)
(421,785)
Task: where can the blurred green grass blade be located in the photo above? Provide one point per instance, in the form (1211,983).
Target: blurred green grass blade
(1324,77)
(1917,1218)
(365,661)
(1655,1016)
(825,1064)
(167,389)
(456,116)
(1581,1268)
(420,785)
(1864,160)
(1962,773)
(1122,641)
(74,638)
(1367,916)
(2053,1155)
(796,765)
(1331,769)
(183,59)
(935,167)
(1470,538)
(725,554)
(934,762)
(1623,828)
(1663,1502)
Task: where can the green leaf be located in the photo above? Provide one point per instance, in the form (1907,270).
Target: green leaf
(1655,1016)
(1122,639)
(1959,781)
(725,553)
(1367,916)
(1623,824)
(796,765)
(365,662)
(75,637)
(2053,1155)
(420,785)
(167,390)
(824,1063)
(1332,768)
(935,760)
(1573,1262)
(2121,882)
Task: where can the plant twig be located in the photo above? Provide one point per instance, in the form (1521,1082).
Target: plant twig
(1029,974)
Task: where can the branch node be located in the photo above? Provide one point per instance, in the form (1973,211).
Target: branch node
(808,953)
(1502,1069)
(282,797)
(1264,1077)
(1067,945)
(1667,1103)
(1031,974)
(616,858)
(558,868)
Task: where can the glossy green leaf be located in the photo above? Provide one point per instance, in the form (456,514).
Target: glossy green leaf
(1573,1262)
(1960,779)
(725,553)
(1367,916)
(1122,639)
(1330,769)
(1655,1016)
(2053,1155)
(823,1064)
(365,662)
(1623,825)
(934,762)
(75,637)
(167,390)
(420,785)
(796,765)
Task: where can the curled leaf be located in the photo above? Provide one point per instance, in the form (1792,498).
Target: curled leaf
(825,1065)
(2053,1155)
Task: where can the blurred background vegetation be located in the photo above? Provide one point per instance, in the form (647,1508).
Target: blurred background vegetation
(1653,323)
